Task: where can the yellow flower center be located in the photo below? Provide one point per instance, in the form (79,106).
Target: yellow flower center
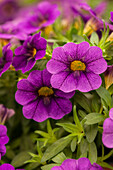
(34,52)
(77,65)
(45,91)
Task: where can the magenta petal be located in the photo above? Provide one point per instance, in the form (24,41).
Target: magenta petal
(19,62)
(24,97)
(70,50)
(35,78)
(64,95)
(84,163)
(111,113)
(64,81)
(25,85)
(111,18)
(93,54)
(40,54)
(6,167)
(46,78)
(54,66)
(107,136)
(29,110)
(82,48)
(59,54)
(68,164)
(98,66)
(29,65)
(88,81)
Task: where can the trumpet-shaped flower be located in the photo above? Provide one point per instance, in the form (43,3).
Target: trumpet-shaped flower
(76,67)
(40,101)
(33,48)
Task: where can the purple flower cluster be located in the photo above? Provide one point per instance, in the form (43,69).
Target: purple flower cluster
(40,100)
(35,18)
(80,164)
(107,136)
(76,67)
(3,140)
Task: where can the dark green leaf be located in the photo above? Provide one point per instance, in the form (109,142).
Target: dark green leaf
(48,167)
(104,94)
(20,159)
(91,132)
(92,153)
(94,118)
(55,148)
(59,158)
(73,144)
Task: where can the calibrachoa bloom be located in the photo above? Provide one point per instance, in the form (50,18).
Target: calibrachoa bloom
(5,113)
(82,163)
(76,67)
(6,58)
(3,140)
(40,101)
(45,14)
(107,136)
(33,48)
(8,10)
(11,30)
(8,167)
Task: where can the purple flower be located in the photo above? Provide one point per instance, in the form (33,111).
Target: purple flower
(107,136)
(5,113)
(8,167)
(6,59)
(3,140)
(45,14)
(82,163)
(8,10)
(76,67)
(33,48)
(11,30)
(40,101)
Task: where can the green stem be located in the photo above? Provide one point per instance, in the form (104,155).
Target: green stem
(108,155)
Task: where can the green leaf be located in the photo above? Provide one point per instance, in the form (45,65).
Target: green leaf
(92,153)
(69,127)
(82,101)
(48,167)
(91,132)
(32,166)
(20,159)
(73,144)
(82,113)
(76,119)
(104,94)
(55,148)
(94,118)
(96,103)
(59,158)
(44,134)
(84,147)
(94,39)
